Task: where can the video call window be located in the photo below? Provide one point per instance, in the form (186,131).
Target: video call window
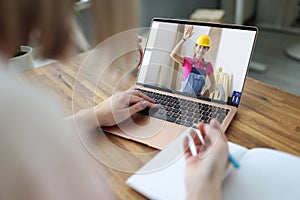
(197,60)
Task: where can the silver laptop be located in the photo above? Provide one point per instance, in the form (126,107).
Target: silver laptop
(195,71)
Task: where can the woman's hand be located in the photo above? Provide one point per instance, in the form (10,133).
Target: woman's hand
(121,106)
(205,171)
(189,32)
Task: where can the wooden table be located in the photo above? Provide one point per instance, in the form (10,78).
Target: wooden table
(267,116)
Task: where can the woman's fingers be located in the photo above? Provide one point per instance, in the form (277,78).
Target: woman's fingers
(186,147)
(190,31)
(142,95)
(133,92)
(137,107)
(134,99)
(202,130)
(196,140)
(130,97)
(216,125)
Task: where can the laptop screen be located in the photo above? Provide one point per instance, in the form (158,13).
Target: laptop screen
(197,59)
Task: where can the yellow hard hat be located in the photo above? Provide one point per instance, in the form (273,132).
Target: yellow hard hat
(204,40)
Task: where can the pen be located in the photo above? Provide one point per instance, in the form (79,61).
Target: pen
(234,162)
(231,159)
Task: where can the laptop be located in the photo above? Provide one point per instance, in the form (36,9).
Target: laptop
(195,71)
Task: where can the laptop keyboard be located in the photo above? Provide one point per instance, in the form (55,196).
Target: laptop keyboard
(182,111)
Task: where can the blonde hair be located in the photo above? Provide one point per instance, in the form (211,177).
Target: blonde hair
(114,16)
(46,23)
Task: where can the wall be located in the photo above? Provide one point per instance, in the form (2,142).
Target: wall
(171,9)
(147,9)
(158,55)
(235,48)
(238,11)
(276,13)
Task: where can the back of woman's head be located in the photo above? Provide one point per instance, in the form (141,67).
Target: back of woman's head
(45,23)
(49,25)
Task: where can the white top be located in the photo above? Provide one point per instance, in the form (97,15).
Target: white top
(40,156)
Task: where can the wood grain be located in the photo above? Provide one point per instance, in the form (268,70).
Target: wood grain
(267,116)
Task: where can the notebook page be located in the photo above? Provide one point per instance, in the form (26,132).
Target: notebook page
(154,179)
(163,176)
(264,174)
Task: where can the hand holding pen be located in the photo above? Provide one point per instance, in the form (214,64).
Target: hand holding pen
(207,163)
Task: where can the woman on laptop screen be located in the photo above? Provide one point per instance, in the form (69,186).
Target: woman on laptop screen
(196,69)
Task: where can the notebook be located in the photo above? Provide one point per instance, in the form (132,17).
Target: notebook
(263,174)
(204,80)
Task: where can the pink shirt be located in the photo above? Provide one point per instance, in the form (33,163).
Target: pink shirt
(187,66)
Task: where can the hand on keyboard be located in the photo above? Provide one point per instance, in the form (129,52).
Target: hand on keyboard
(182,111)
(121,106)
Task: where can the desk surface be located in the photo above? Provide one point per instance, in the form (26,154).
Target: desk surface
(267,117)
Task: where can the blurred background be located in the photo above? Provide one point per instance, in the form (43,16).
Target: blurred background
(276,58)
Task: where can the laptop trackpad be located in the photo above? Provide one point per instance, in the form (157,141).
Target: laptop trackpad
(151,131)
(142,126)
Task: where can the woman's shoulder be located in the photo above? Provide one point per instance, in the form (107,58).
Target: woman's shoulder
(35,136)
(209,67)
(25,105)
(187,61)
(208,64)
